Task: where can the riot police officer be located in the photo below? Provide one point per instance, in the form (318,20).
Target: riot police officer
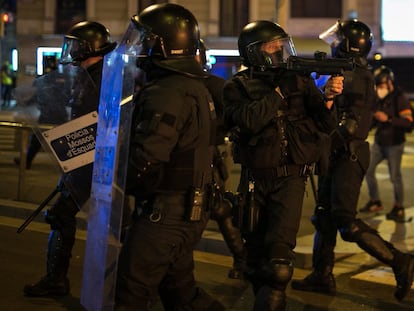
(339,189)
(282,122)
(222,211)
(169,173)
(84,45)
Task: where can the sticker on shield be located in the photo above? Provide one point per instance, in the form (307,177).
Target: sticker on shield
(73,143)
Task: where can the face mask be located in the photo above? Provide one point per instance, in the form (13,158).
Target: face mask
(382,93)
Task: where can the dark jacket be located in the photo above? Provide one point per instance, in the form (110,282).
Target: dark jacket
(357,101)
(275,131)
(173,135)
(392,132)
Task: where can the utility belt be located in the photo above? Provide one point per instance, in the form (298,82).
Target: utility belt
(171,208)
(282,171)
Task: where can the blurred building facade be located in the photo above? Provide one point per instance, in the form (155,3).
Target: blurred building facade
(42,23)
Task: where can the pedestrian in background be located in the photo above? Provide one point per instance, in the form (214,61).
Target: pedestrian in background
(7,84)
(392,120)
(51,98)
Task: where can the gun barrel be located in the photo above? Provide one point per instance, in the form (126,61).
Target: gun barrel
(327,66)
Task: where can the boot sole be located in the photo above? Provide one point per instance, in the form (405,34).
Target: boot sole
(401,292)
(47,294)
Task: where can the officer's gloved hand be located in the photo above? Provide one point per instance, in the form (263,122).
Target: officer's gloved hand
(333,87)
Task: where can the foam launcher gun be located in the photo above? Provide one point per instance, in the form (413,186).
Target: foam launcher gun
(320,64)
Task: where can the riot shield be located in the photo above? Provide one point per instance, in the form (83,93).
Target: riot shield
(47,107)
(108,183)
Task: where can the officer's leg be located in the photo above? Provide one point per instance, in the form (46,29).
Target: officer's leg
(280,204)
(222,214)
(178,290)
(370,241)
(277,274)
(62,220)
(321,279)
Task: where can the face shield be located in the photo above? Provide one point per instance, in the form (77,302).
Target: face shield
(74,50)
(271,53)
(332,35)
(135,39)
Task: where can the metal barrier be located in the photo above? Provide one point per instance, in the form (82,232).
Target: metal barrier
(25,131)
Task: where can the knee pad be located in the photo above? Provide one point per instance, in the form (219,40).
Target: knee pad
(276,273)
(352,232)
(282,271)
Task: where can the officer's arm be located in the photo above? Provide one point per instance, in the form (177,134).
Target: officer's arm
(154,135)
(320,110)
(251,106)
(405,117)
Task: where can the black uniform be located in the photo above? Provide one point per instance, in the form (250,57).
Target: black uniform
(223,210)
(279,141)
(339,191)
(171,152)
(75,190)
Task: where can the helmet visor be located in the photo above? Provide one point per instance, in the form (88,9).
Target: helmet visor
(141,38)
(271,53)
(332,35)
(74,50)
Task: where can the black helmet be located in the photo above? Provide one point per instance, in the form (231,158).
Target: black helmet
(350,38)
(84,40)
(169,37)
(202,55)
(383,74)
(251,40)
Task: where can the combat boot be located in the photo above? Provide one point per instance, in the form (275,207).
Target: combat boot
(404,274)
(55,283)
(270,300)
(48,286)
(317,281)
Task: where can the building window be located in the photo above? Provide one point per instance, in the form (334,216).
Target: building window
(69,12)
(234,15)
(315,8)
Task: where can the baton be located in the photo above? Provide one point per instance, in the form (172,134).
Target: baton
(38,209)
(315,193)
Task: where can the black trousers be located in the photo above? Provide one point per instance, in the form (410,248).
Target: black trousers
(280,202)
(157,258)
